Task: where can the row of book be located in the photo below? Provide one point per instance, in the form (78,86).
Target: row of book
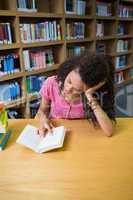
(10,91)
(26,5)
(75,30)
(9,64)
(122,45)
(43,31)
(121,61)
(5,33)
(125,11)
(75,50)
(103,9)
(77,7)
(38,59)
(34,83)
(123,75)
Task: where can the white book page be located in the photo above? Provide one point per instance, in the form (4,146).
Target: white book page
(52,140)
(29,137)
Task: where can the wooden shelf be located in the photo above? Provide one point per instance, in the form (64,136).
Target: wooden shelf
(69,16)
(9,46)
(15,103)
(106,38)
(125,18)
(43,70)
(7,13)
(41,44)
(124,68)
(121,53)
(11,76)
(105,17)
(124,36)
(38,15)
(79,40)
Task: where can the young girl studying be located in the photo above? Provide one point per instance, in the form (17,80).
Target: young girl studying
(82,88)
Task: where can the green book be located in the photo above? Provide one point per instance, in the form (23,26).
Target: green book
(5,137)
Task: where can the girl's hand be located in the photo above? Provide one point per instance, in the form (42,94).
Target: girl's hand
(45,126)
(89,92)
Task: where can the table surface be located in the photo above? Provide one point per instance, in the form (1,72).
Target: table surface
(90,166)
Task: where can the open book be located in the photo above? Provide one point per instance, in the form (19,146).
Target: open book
(40,144)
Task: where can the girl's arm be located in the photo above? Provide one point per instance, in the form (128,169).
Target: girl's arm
(102,118)
(104,121)
(42,115)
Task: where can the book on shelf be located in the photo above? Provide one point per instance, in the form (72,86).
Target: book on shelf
(122,45)
(77,7)
(10,91)
(34,83)
(103,9)
(41,31)
(99,29)
(121,29)
(100,48)
(30,139)
(119,77)
(75,50)
(5,33)
(27,5)
(38,59)
(9,64)
(125,11)
(34,106)
(75,30)
(121,61)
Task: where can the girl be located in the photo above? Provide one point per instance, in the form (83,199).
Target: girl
(83,88)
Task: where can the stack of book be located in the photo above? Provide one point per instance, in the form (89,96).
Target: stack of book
(4,134)
(120,61)
(99,29)
(26,5)
(42,31)
(34,83)
(122,45)
(75,7)
(5,33)
(103,9)
(34,59)
(75,50)
(9,64)
(75,30)
(125,11)
(10,91)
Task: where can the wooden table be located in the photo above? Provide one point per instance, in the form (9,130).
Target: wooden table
(90,166)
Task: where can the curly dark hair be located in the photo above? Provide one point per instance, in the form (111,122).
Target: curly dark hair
(93,69)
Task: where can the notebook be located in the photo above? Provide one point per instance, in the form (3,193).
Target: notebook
(41,144)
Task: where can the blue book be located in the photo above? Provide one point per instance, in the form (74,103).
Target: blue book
(5,138)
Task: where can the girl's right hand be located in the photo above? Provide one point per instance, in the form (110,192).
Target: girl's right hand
(45,126)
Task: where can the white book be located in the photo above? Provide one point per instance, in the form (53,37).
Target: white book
(40,144)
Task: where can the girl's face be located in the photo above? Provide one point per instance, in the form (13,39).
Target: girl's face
(74,86)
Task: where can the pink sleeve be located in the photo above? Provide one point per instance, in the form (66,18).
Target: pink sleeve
(45,91)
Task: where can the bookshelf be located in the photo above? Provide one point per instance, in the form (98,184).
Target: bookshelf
(101,26)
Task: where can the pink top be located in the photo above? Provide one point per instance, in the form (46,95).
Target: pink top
(59,107)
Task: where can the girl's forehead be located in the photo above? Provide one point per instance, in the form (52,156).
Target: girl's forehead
(76,80)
